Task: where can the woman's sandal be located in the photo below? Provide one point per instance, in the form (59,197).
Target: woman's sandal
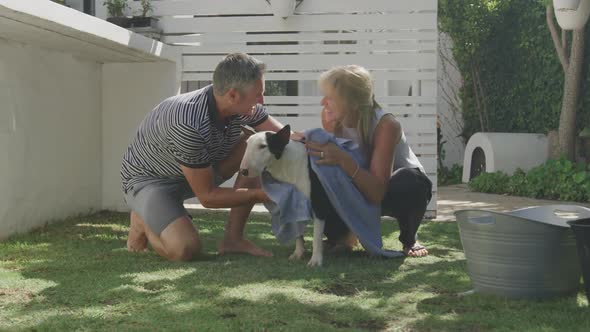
(415,248)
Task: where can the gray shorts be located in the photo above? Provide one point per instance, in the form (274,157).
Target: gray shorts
(159,202)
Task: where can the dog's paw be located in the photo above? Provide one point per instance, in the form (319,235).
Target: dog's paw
(296,255)
(315,261)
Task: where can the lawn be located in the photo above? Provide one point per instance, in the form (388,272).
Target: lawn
(77,275)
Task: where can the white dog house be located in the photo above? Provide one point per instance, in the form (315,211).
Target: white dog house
(72,89)
(506,152)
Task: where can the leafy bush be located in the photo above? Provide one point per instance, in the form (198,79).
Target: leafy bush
(493,183)
(116,8)
(146,8)
(556,179)
(448,176)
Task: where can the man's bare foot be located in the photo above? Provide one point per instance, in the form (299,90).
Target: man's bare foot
(242,246)
(416,251)
(136,239)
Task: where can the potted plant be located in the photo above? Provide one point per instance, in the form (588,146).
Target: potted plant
(566,4)
(116,10)
(283,8)
(571,14)
(143,20)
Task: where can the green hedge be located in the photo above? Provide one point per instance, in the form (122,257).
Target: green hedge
(556,179)
(447,176)
(509,44)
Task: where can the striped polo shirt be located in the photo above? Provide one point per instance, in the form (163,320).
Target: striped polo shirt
(183,130)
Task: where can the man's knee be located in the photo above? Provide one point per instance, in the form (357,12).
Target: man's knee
(181,240)
(184,251)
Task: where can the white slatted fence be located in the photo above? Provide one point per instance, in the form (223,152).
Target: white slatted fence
(395,39)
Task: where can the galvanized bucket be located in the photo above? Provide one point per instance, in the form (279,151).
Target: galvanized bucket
(526,253)
(581,228)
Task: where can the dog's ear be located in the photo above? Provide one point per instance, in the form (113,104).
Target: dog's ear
(284,134)
(277,142)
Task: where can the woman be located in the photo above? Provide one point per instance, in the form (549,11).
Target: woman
(395,177)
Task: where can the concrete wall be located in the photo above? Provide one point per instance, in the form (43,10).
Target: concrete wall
(449,115)
(129,92)
(49,136)
(100,11)
(79,4)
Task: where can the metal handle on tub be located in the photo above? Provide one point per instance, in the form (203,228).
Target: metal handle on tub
(580,211)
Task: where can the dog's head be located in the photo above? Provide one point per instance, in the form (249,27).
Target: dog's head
(262,149)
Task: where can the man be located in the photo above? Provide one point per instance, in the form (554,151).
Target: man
(186,147)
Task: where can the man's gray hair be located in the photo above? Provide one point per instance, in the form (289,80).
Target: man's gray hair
(237,71)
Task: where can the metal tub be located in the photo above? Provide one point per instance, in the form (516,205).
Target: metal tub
(526,253)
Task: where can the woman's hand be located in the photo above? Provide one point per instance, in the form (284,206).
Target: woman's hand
(328,123)
(328,153)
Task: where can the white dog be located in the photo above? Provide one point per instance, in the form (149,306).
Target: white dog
(287,161)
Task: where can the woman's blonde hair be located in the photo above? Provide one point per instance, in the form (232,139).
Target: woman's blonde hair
(353,84)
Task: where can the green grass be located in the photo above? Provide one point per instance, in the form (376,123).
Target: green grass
(77,275)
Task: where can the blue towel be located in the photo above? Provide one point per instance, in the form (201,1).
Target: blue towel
(291,210)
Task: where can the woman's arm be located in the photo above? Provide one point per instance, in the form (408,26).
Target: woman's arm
(373,183)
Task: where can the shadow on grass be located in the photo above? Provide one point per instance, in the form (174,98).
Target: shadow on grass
(97,283)
(452,310)
(481,312)
(94,283)
(274,312)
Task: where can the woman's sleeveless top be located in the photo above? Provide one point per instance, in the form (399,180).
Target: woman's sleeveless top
(404,156)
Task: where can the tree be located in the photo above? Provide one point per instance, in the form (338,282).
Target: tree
(572,66)
(471,24)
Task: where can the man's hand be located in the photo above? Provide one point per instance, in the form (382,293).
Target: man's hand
(298,136)
(259,195)
(262,196)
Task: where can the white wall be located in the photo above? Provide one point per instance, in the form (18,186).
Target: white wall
(100,10)
(451,121)
(129,92)
(49,136)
